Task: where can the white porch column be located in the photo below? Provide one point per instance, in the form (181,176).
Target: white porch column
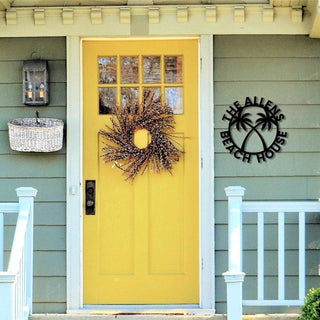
(234,276)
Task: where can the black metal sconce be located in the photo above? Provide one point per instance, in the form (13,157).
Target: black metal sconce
(35,83)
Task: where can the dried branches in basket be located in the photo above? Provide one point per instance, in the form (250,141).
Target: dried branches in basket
(160,154)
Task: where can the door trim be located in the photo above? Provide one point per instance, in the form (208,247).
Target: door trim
(74,174)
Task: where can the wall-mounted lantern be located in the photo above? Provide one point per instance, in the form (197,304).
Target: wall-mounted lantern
(35,83)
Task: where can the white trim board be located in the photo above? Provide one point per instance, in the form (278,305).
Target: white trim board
(115,21)
(74,175)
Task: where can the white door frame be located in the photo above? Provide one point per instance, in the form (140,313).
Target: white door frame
(74,176)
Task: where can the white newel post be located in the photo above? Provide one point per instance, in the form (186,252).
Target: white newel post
(26,196)
(7,295)
(234,276)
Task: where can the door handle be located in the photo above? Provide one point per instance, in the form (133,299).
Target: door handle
(90,197)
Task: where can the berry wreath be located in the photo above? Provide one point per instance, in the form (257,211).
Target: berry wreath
(118,139)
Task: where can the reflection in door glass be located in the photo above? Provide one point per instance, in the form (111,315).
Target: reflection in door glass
(108,70)
(129,70)
(129,96)
(174,99)
(151,69)
(173,69)
(107,100)
(152,94)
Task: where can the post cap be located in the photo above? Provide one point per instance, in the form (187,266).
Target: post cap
(233,276)
(235,191)
(26,192)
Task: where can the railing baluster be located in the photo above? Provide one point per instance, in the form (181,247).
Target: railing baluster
(20,287)
(283,208)
(302,255)
(22,284)
(1,241)
(260,255)
(281,257)
(17,285)
(29,262)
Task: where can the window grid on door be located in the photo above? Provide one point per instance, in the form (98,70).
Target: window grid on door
(127,79)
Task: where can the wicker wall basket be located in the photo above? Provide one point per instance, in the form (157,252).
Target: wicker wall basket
(36,134)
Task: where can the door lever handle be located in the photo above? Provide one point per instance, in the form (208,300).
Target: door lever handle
(90,197)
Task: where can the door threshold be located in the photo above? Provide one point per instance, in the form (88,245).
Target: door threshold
(179,310)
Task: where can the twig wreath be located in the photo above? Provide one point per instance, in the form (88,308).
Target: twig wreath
(119,147)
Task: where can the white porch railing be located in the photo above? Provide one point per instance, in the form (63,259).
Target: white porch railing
(16,282)
(234,277)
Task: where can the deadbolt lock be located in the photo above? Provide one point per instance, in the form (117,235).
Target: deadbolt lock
(90,197)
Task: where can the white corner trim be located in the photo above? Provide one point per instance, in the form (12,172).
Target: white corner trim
(74,175)
(206,125)
(314,9)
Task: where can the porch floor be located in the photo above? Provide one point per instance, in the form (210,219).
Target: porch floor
(159,317)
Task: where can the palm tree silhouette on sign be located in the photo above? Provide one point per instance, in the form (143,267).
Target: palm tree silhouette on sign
(266,121)
(242,121)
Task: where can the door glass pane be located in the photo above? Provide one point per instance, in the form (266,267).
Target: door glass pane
(129,96)
(129,70)
(173,69)
(107,100)
(151,95)
(108,70)
(174,99)
(151,69)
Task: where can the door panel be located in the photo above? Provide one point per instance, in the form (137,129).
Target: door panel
(142,245)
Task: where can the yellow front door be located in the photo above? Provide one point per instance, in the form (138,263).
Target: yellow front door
(141,245)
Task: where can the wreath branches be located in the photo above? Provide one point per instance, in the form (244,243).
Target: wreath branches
(160,154)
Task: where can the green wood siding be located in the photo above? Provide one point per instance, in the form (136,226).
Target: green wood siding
(45,172)
(286,70)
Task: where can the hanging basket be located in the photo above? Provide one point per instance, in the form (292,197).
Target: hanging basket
(36,134)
